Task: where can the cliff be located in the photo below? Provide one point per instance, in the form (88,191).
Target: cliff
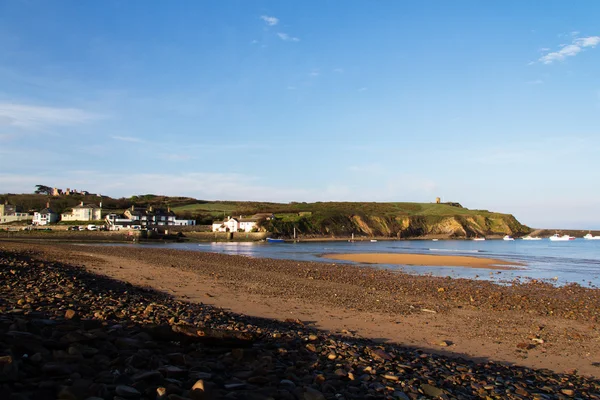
(461,224)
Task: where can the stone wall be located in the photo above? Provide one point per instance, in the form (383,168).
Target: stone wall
(225,236)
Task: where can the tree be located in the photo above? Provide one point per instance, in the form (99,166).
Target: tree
(41,189)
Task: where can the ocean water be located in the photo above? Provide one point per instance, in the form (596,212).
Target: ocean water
(576,261)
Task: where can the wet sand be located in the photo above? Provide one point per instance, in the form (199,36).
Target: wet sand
(425,260)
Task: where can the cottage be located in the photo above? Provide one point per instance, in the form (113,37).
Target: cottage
(83,212)
(236,224)
(45,216)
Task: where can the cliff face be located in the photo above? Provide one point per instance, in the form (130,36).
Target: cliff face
(457,226)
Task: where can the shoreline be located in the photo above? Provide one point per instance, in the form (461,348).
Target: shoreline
(426,260)
(110,324)
(452,317)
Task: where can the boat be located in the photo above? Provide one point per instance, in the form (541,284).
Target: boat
(507,237)
(434,240)
(589,236)
(272,240)
(531,238)
(478,239)
(373,240)
(557,238)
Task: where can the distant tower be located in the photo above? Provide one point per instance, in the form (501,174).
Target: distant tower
(438,200)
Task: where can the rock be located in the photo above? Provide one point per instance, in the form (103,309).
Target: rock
(381,355)
(432,391)
(313,394)
(127,392)
(567,392)
(70,314)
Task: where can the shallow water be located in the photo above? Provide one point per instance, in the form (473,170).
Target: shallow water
(576,261)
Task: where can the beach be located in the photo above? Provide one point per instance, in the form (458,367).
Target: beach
(426,260)
(531,324)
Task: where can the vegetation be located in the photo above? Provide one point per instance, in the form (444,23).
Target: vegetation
(394,219)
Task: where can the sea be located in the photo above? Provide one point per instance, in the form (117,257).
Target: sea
(559,263)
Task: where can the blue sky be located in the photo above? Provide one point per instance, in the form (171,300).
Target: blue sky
(495,104)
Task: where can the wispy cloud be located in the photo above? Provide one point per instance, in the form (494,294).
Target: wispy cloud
(314,72)
(362,89)
(271,21)
(338,70)
(26,116)
(570,50)
(287,38)
(535,82)
(130,139)
(291,88)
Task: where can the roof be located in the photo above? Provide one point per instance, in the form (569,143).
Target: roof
(86,206)
(47,211)
(247,220)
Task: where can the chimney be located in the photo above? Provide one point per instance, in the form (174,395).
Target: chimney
(81,204)
(47,204)
(100,203)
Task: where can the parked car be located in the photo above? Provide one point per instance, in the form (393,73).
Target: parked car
(73,228)
(91,227)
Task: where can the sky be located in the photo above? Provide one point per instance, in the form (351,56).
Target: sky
(493,104)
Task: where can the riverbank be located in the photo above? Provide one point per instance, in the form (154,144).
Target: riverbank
(532,324)
(426,260)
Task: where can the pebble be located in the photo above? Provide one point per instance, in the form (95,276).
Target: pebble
(119,343)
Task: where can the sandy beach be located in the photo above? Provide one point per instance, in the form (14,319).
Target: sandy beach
(531,324)
(425,259)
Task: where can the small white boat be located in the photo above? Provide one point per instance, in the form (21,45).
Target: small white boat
(434,240)
(479,239)
(373,240)
(531,238)
(557,238)
(507,237)
(589,236)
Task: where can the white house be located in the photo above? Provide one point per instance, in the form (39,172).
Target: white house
(236,224)
(83,212)
(45,216)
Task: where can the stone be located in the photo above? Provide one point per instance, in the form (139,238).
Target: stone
(70,314)
(127,392)
(313,394)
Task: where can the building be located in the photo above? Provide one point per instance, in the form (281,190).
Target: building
(45,216)
(148,217)
(9,213)
(240,224)
(83,212)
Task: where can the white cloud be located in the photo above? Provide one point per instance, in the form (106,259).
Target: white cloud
(287,38)
(291,88)
(535,82)
(271,21)
(37,117)
(315,72)
(338,70)
(570,50)
(127,139)
(362,89)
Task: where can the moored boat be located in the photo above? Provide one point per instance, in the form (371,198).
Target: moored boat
(272,240)
(589,236)
(507,237)
(531,238)
(557,238)
(479,239)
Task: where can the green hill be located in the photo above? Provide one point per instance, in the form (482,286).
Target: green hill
(394,220)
